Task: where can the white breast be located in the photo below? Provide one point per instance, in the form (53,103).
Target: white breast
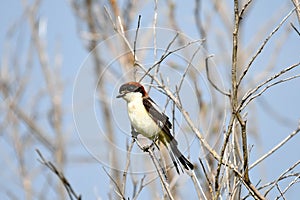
(141,120)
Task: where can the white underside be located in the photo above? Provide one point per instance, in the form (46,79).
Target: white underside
(139,117)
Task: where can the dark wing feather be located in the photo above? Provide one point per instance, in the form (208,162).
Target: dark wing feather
(160,118)
(163,122)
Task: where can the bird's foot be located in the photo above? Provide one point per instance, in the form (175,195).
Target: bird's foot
(146,148)
(151,146)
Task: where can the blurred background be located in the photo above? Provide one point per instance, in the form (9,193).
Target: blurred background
(62,62)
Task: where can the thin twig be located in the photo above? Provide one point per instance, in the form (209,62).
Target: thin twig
(72,194)
(136,37)
(125,172)
(187,69)
(197,185)
(146,149)
(164,55)
(119,192)
(262,46)
(267,87)
(244,8)
(244,147)
(296,179)
(280,192)
(161,176)
(295,29)
(223,148)
(111,19)
(37,131)
(134,46)
(198,20)
(210,79)
(297,6)
(280,177)
(295,132)
(248,97)
(272,183)
(155,40)
(141,186)
(207,178)
(167,53)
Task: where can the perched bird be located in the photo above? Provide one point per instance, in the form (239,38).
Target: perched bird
(146,119)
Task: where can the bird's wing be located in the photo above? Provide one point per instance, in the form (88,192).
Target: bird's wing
(159,117)
(163,122)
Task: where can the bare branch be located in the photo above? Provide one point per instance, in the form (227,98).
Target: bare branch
(244,8)
(134,46)
(187,69)
(296,180)
(267,87)
(161,58)
(297,6)
(197,185)
(159,169)
(136,37)
(125,172)
(36,130)
(119,192)
(263,45)
(199,24)
(223,148)
(111,19)
(207,178)
(281,194)
(72,194)
(295,132)
(161,176)
(210,80)
(141,186)
(295,29)
(281,176)
(248,97)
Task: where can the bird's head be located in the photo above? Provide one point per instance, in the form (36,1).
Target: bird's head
(131,90)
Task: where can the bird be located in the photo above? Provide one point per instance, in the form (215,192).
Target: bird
(147,119)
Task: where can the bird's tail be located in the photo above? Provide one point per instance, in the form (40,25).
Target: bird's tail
(176,156)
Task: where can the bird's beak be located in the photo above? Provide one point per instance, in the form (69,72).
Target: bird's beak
(120,95)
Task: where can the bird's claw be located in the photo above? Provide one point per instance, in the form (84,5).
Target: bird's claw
(146,148)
